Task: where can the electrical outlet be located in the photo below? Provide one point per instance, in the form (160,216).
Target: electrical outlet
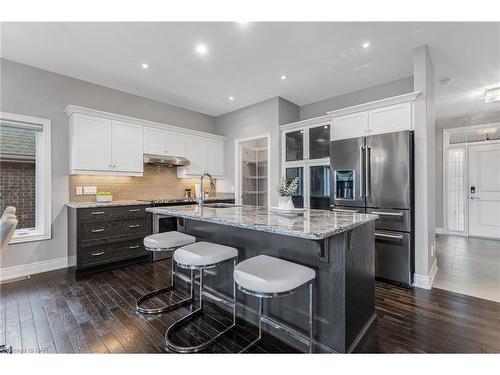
(90,190)
(79,190)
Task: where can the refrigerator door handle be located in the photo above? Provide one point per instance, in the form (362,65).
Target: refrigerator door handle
(387,235)
(368,174)
(361,171)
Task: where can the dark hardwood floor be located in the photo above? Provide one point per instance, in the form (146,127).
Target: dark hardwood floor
(54,312)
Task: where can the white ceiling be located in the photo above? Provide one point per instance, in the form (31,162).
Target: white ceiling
(320,60)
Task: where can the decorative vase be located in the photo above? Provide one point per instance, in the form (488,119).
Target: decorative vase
(285,203)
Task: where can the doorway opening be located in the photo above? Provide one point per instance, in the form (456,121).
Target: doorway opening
(468,252)
(252,171)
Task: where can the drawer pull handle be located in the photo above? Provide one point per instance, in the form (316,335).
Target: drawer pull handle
(98,254)
(386,235)
(133,247)
(98,213)
(97,230)
(134,226)
(383,213)
(134,210)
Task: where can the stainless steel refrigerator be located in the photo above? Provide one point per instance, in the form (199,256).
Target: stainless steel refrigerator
(374,174)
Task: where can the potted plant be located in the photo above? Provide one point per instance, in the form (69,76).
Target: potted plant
(286,189)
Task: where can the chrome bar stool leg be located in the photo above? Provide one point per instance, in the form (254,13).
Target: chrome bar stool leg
(194,314)
(158,310)
(254,342)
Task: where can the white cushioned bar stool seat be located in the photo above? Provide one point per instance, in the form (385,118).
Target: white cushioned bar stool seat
(201,254)
(167,240)
(265,274)
(267,277)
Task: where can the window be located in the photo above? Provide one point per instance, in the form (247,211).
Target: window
(456,189)
(25,174)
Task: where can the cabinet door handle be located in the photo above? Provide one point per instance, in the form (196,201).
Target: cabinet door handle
(134,210)
(97,230)
(98,213)
(383,213)
(98,254)
(392,236)
(134,226)
(133,247)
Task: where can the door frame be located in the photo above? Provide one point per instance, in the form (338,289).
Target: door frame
(237,163)
(446,146)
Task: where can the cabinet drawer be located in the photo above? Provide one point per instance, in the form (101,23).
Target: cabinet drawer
(391,219)
(110,253)
(99,214)
(91,234)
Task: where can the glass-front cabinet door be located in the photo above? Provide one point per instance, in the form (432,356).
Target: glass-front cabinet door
(290,174)
(319,187)
(319,142)
(294,145)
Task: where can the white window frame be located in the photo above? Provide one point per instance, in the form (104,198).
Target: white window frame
(465,145)
(43,208)
(306,162)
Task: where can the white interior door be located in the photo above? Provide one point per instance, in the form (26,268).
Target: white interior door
(484,190)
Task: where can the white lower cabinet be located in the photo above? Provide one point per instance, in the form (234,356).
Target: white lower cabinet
(205,155)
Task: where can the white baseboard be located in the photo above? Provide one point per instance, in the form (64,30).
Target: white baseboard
(426,281)
(439,230)
(18,272)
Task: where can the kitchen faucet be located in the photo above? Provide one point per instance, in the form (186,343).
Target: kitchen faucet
(202,193)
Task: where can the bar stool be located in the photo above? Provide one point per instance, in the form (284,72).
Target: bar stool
(267,277)
(201,256)
(166,241)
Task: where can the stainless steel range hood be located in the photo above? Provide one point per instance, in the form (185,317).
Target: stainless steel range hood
(173,161)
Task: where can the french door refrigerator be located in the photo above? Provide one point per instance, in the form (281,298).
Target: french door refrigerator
(374,174)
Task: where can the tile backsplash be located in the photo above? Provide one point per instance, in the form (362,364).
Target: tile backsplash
(158,182)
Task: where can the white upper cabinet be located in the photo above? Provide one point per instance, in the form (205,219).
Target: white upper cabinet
(176,144)
(155,141)
(390,119)
(109,144)
(127,147)
(205,155)
(350,126)
(382,116)
(104,146)
(164,142)
(91,144)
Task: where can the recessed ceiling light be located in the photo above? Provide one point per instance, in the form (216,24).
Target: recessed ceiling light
(145,66)
(231,98)
(201,49)
(283,77)
(366,45)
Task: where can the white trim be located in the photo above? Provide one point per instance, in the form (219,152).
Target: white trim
(426,281)
(375,104)
(22,271)
(309,121)
(237,170)
(70,109)
(43,178)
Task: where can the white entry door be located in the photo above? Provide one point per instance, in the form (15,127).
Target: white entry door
(484,190)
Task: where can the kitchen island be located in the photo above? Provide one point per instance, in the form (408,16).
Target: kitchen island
(338,245)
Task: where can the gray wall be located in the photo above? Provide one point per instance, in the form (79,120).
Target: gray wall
(456,122)
(385,90)
(30,91)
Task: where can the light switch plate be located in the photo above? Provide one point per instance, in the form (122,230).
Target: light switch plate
(79,190)
(90,190)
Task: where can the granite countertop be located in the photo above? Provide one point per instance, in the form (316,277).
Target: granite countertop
(133,202)
(108,204)
(314,225)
